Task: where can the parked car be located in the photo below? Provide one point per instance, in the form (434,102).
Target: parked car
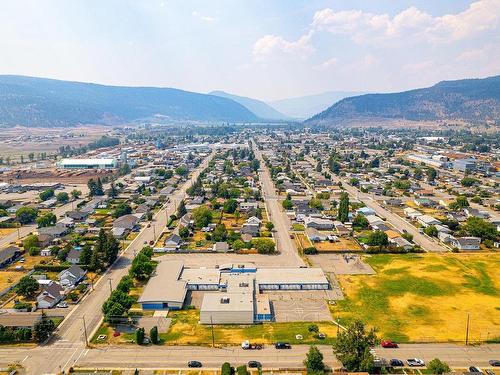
(246,345)
(494,362)
(396,362)
(194,364)
(388,344)
(282,345)
(254,364)
(415,362)
(490,372)
(475,369)
(62,305)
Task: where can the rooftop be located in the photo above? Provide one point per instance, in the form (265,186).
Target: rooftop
(165,285)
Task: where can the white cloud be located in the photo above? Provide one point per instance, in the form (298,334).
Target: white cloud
(480,16)
(270,45)
(325,65)
(205,18)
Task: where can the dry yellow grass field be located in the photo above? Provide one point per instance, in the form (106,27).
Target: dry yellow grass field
(6,231)
(343,244)
(426,297)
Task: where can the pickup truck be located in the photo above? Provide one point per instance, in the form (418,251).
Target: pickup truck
(245,345)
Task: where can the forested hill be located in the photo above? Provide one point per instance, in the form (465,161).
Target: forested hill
(471,100)
(32,101)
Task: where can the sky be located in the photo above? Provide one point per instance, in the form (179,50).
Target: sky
(266,49)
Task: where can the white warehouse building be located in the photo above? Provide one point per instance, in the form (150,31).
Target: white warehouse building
(100,163)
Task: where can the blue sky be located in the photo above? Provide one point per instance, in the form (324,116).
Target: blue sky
(264,49)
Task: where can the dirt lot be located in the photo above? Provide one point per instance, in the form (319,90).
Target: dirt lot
(342,264)
(342,245)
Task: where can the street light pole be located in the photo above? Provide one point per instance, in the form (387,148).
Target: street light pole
(110,286)
(467,330)
(85,332)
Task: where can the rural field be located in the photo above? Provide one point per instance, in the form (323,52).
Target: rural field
(426,297)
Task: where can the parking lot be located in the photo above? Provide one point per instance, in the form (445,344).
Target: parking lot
(341,264)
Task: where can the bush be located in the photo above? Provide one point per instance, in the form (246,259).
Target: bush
(226,369)
(242,370)
(153,334)
(310,250)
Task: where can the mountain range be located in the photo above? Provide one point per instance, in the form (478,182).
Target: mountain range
(469,100)
(33,101)
(258,107)
(306,106)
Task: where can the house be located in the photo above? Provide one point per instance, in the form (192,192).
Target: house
(411,213)
(55,231)
(342,229)
(401,242)
(128,222)
(51,295)
(425,202)
(365,211)
(46,252)
(427,220)
(186,220)
(221,247)
(67,222)
(19,320)
(473,212)
(374,220)
(71,276)
(314,235)
(251,226)
(248,206)
(395,202)
(119,232)
(318,223)
(173,242)
(78,215)
(74,256)
(466,243)
(8,255)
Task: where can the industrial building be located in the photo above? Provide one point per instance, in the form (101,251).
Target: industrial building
(235,294)
(100,163)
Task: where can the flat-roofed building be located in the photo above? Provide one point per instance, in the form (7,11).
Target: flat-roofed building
(227,308)
(291,279)
(164,290)
(100,163)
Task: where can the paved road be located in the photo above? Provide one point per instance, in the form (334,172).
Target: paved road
(69,342)
(455,355)
(284,244)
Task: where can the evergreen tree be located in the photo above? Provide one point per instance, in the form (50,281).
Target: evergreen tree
(343,212)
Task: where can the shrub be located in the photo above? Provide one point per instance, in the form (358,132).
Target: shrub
(310,250)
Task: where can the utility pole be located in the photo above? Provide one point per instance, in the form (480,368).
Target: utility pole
(213,336)
(110,286)
(85,332)
(467,331)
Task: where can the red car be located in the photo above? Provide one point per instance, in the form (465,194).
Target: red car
(388,344)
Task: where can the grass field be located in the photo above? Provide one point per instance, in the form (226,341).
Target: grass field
(343,244)
(426,297)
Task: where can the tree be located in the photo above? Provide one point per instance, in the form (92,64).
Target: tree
(95,187)
(287,204)
(478,227)
(314,360)
(431,231)
(27,287)
(183,232)
(230,206)
(46,220)
(111,248)
(219,233)
(142,267)
(126,283)
(343,212)
(226,369)
(153,334)
(181,171)
(43,328)
(360,221)
(469,181)
(86,254)
(269,226)
(31,244)
(62,197)
(315,203)
(26,215)
(264,245)
(181,210)
(75,193)
(431,174)
(352,346)
(202,216)
(113,192)
(377,238)
(122,209)
(46,194)
(436,366)
(139,336)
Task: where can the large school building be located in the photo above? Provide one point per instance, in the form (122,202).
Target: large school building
(235,293)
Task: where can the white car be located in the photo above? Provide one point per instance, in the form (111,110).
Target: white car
(62,305)
(415,362)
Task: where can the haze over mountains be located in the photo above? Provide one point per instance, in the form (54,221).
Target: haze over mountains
(260,108)
(34,102)
(470,100)
(307,106)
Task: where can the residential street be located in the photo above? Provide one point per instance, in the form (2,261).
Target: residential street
(68,343)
